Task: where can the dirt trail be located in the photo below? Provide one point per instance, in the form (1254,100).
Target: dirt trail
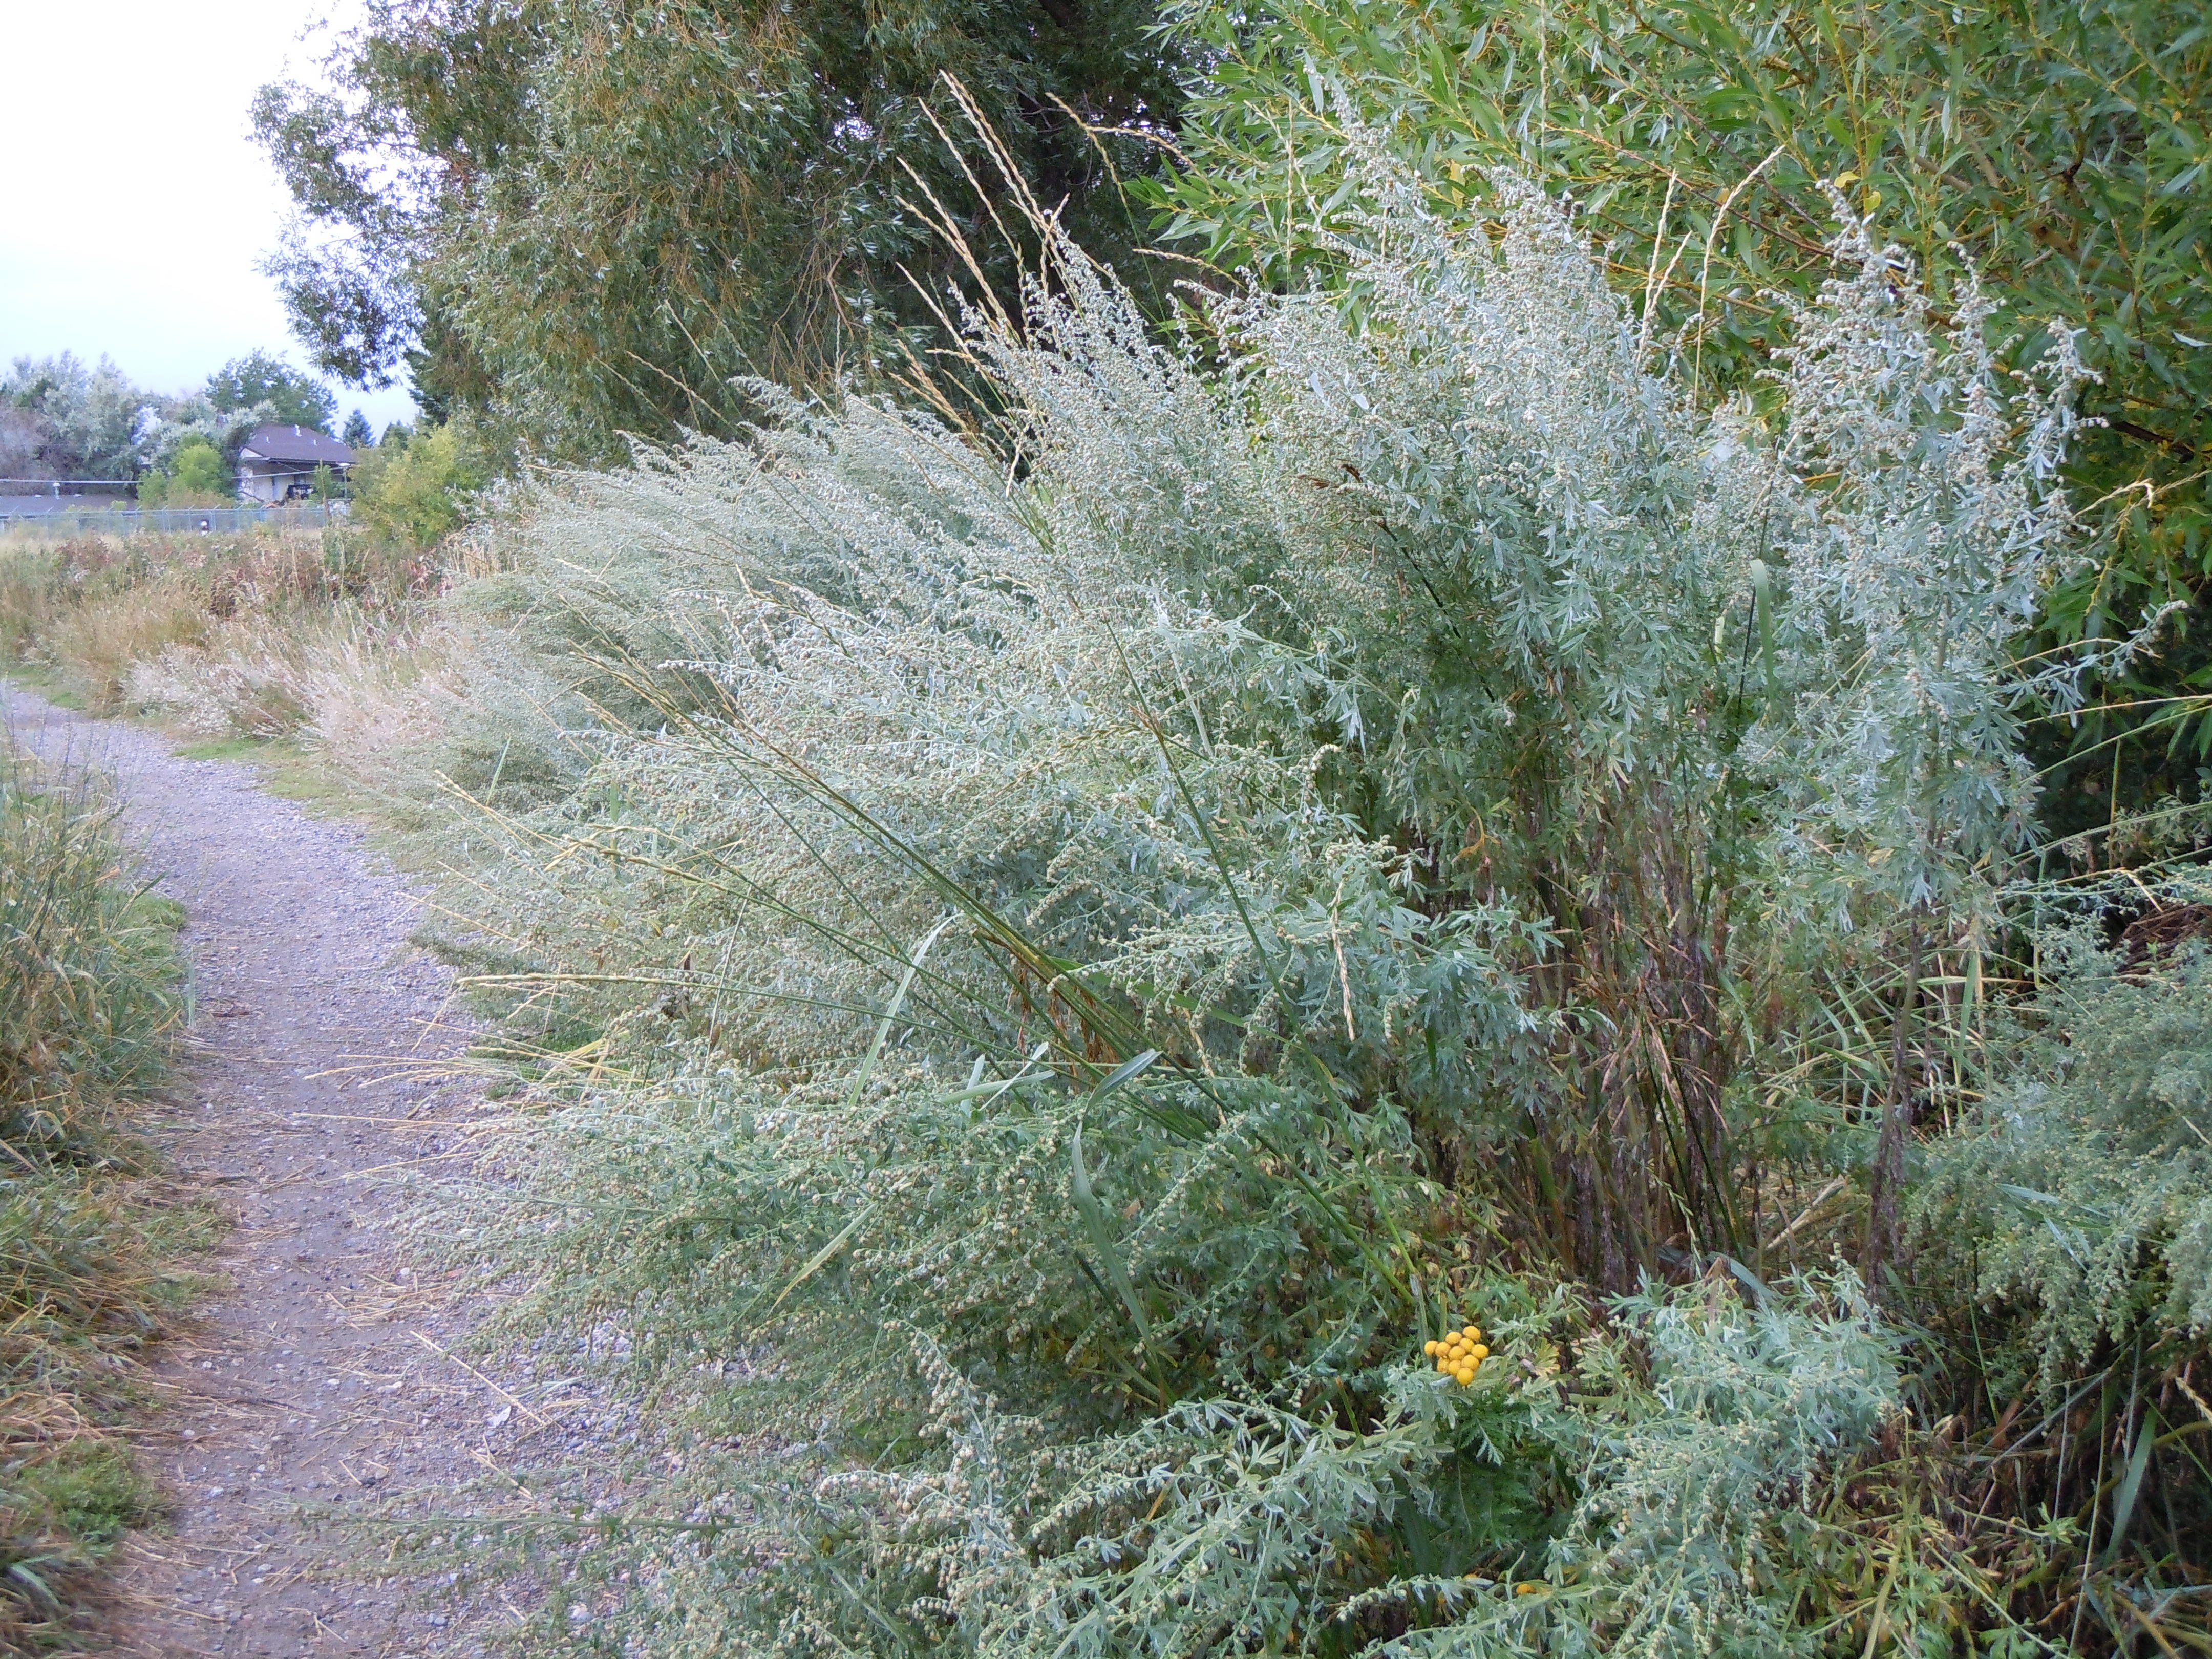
(321,1382)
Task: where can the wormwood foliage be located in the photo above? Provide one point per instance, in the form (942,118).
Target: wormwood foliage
(2090,1175)
(1062,944)
(2055,151)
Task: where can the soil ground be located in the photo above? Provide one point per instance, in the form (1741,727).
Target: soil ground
(330,1377)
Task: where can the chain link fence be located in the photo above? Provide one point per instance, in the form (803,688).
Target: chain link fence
(99,518)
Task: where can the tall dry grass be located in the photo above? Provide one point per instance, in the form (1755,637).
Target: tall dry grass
(90,999)
(88,610)
(318,635)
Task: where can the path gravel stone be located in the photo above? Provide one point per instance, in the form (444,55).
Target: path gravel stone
(330,1377)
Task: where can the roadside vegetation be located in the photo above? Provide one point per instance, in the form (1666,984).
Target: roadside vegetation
(91,1234)
(275,632)
(1061,952)
(1410,956)
(1063,948)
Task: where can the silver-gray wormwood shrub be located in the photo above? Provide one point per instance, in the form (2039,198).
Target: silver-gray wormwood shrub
(1405,719)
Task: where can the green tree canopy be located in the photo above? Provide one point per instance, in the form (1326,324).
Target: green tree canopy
(357,435)
(586,220)
(70,419)
(299,399)
(410,493)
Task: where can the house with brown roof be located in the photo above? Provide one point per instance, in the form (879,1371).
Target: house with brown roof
(277,462)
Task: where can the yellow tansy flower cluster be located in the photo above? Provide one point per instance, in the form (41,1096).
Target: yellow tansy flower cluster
(1460,1355)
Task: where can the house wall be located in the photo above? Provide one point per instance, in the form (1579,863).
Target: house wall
(273,481)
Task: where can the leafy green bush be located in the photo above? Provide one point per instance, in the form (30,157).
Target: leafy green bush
(412,493)
(1061,952)
(199,472)
(196,477)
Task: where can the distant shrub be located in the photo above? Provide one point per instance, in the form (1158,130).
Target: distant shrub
(195,476)
(413,493)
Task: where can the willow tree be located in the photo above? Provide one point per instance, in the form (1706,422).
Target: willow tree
(588,219)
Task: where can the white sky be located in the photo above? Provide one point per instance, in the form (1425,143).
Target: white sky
(140,206)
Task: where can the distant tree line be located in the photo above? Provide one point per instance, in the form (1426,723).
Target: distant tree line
(61,417)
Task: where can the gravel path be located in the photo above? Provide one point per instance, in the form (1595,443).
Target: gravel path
(325,1378)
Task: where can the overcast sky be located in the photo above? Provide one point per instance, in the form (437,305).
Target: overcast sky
(141,208)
